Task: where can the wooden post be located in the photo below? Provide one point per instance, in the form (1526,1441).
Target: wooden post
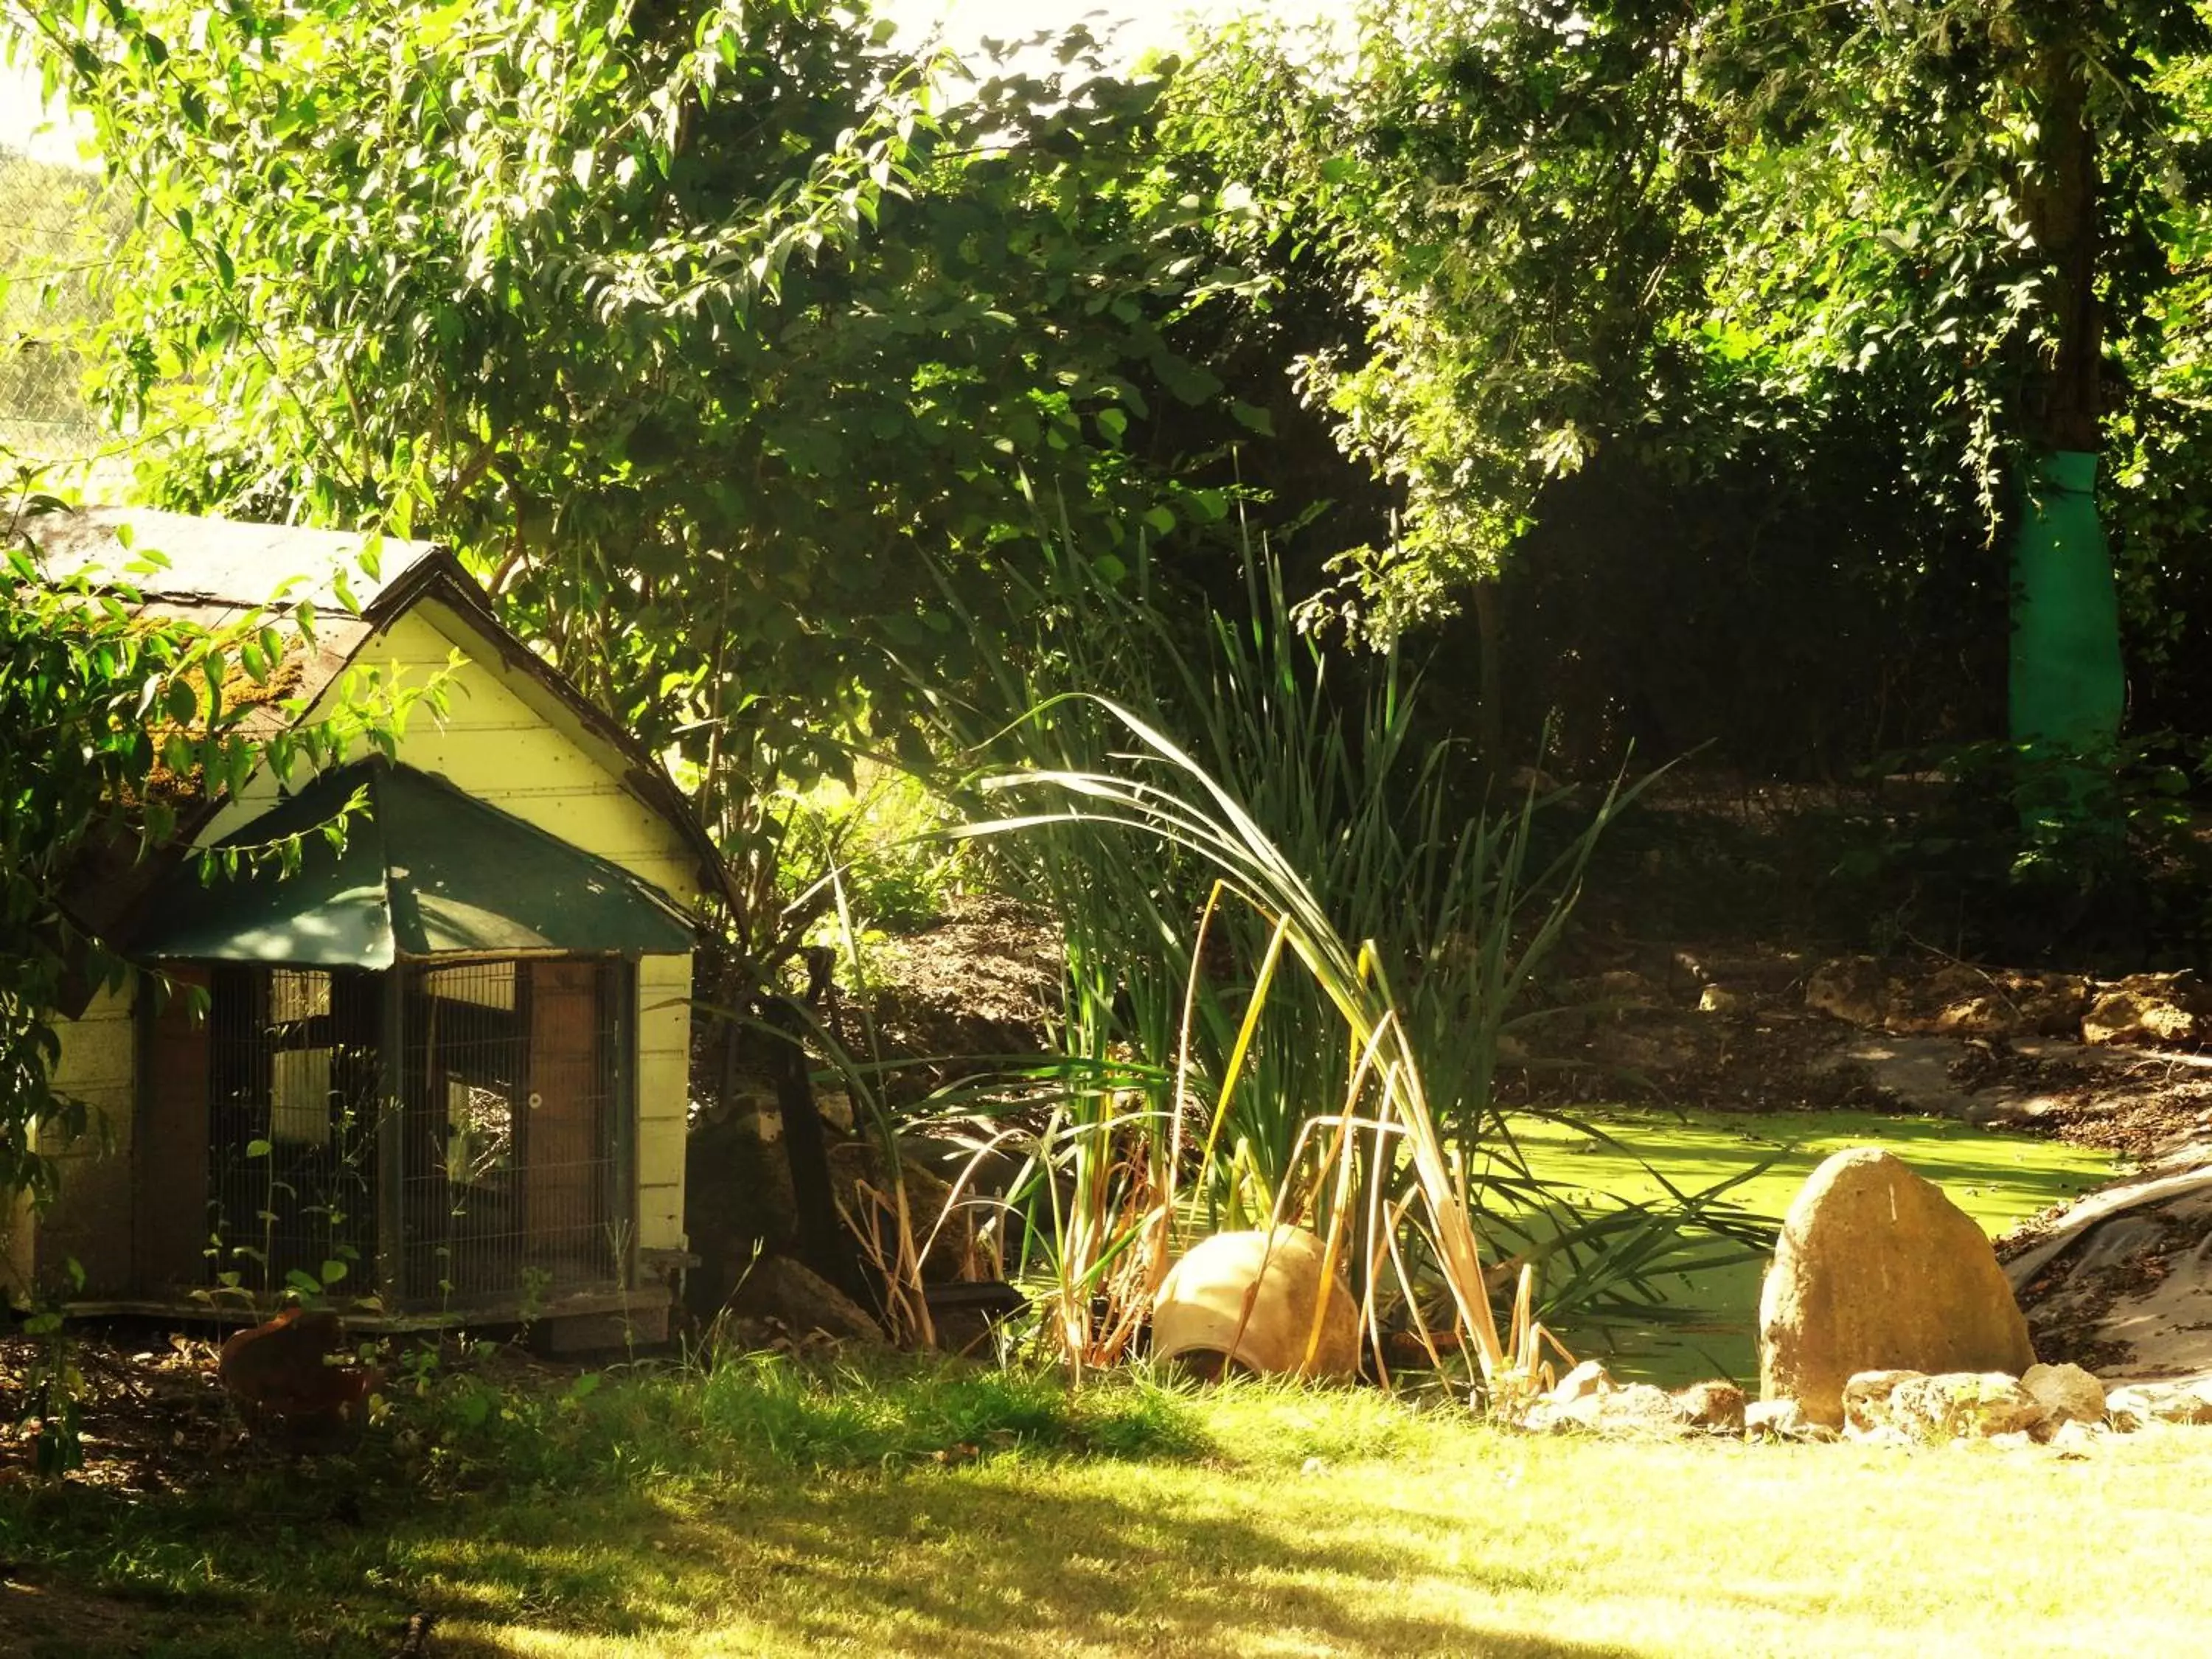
(169,1145)
(392,1139)
(620,987)
(821,1239)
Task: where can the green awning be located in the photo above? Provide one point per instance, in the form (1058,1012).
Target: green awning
(428,871)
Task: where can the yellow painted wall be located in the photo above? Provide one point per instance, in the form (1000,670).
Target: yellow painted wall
(664,1091)
(91,1219)
(506,741)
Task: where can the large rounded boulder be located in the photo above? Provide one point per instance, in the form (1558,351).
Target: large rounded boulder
(1877,1271)
(1265,1302)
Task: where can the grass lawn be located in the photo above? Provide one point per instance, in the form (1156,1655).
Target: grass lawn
(1998,1179)
(769,1508)
(771,1512)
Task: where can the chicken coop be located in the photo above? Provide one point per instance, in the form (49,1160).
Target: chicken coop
(435,1069)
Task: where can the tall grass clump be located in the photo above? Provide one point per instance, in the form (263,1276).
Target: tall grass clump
(1297,939)
(726,1412)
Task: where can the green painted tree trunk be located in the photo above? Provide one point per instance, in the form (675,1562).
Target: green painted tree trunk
(2066,683)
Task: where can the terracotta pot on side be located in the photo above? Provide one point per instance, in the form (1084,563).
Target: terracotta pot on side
(1248,1299)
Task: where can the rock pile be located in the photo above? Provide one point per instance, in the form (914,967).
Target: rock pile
(1885,1318)
(2139,1405)
(2060,1406)
(1959,999)
(1588,1399)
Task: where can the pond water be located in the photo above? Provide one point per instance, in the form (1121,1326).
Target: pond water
(1998,1179)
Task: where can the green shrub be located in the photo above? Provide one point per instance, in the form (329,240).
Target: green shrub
(880,839)
(2024,853)
(720,1418)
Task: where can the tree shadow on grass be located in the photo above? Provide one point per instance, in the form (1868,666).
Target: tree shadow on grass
(996,1560)
(952,1566)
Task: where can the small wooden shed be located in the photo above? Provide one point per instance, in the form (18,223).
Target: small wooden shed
(443,1072)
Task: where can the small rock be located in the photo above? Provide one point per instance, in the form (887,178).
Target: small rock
(1783,1420)
(1634,1408)
(1714,1405)
(1956,982)
(2138,1405)
(1866,1397)
(2067,1394)
(835,1107)
(1977,1016)
(1779,1418)
(782,1288)
(2127,1409)
(2050,1005)
(1963,1404)
(1849,988)
(2012,1439)
(1638,1407)
(1881,1434)
(1564,1416)
(1719,999)
(1587,1378)
(2073,1438)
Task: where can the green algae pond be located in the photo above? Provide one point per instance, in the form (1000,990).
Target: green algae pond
(1637,1154)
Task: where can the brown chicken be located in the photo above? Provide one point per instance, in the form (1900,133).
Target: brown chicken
(282,1369)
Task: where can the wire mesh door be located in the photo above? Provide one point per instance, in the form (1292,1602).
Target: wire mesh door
(507,1188)
(293,1074)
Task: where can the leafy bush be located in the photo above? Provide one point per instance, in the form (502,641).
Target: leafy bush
(879,838)
(2022,852)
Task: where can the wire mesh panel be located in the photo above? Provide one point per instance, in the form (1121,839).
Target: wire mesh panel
(508,1171)
(293,1076)
(508,1128)
(59,227)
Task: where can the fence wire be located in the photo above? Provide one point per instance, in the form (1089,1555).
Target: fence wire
(59,239)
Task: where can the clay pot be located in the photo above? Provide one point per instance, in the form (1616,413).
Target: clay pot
(1248,1299)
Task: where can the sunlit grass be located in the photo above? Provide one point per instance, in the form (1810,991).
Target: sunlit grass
(1266,1521)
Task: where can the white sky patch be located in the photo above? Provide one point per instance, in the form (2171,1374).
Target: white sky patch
(1135,27)
(45,133)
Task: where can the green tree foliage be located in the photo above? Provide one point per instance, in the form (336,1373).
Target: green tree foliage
(1505,193)
(1728,312)
(690,326)
(685,323)
(1973,200)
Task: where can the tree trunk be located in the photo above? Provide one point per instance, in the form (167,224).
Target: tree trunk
(2062,213)
(2068,686)
(1490,714)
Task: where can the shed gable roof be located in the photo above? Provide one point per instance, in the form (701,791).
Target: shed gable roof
(218,569)
(225,563)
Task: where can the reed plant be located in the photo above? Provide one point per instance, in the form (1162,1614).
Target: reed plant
(1297,942)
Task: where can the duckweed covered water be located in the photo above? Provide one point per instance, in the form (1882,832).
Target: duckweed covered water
(1998,1179)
